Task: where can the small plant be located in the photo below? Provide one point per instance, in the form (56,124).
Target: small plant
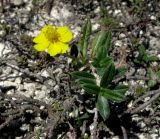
(144,58)
(100,83)
(154,76)
(98,78)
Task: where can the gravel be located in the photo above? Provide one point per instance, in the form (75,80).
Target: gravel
(23,17)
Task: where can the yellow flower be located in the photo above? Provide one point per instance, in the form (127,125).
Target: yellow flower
(53,40)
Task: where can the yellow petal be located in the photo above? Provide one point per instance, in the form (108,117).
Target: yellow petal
(64,34)
(57,48)
(40,38)
(41,46)
(47,27)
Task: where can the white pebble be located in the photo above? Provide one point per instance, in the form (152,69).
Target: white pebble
(153,17)
(118,43)
(122,35)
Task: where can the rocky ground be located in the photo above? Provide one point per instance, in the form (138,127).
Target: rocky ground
(38,99)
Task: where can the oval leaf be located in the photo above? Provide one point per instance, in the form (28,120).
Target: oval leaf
(103,107)
(112,95)
(108,75)
(90,88)
(86,32)
(81,74)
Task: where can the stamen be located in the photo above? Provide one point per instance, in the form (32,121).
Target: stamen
(52,35)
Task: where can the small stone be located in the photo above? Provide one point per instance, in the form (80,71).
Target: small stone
(116,12)
(45,73)
(25,127)
(118,43)
(66,13)
(56,88)
(3,50)
(122,24)
(122,35)
(2,46)
(42,107)
(40,95)
(153,17)
(110,12)
(97,10)
(18,137)
(141,32)
(2,33)
(51,82)
(30,87)
(9,83)
(95,26)
(154,136)
(13,98)
(38,120)
(29,111)
(55,14)
(18,80)
(18,2)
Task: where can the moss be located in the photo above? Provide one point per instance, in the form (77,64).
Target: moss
(140,90)
(26,39)
(56,107)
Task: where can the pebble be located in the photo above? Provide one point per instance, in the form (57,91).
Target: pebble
(31,87)
(18,137)
(17,2)
(42,107)
(45,73)
(122,36)
(97,10)
(154,42)
(2,46)
(118,43)
(116,12)
(95,26)
(38,120)
(153,17)
(2,33)
(56,88)
(40,95)
(18,80)
(58,16)
(7,70)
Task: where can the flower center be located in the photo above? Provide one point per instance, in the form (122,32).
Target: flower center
(52,35)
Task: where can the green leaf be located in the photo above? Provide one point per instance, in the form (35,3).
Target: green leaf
(87,81)
(112,95)
(144,57)
(153,58)
(109,22)
(120,72)
(121,89)
(90,88)
(86,32)
(103,107)
(80,74)
(83,80)
(101,64)
(108,75)
(102,48)
(101,44)
(153,78)
(158,74)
